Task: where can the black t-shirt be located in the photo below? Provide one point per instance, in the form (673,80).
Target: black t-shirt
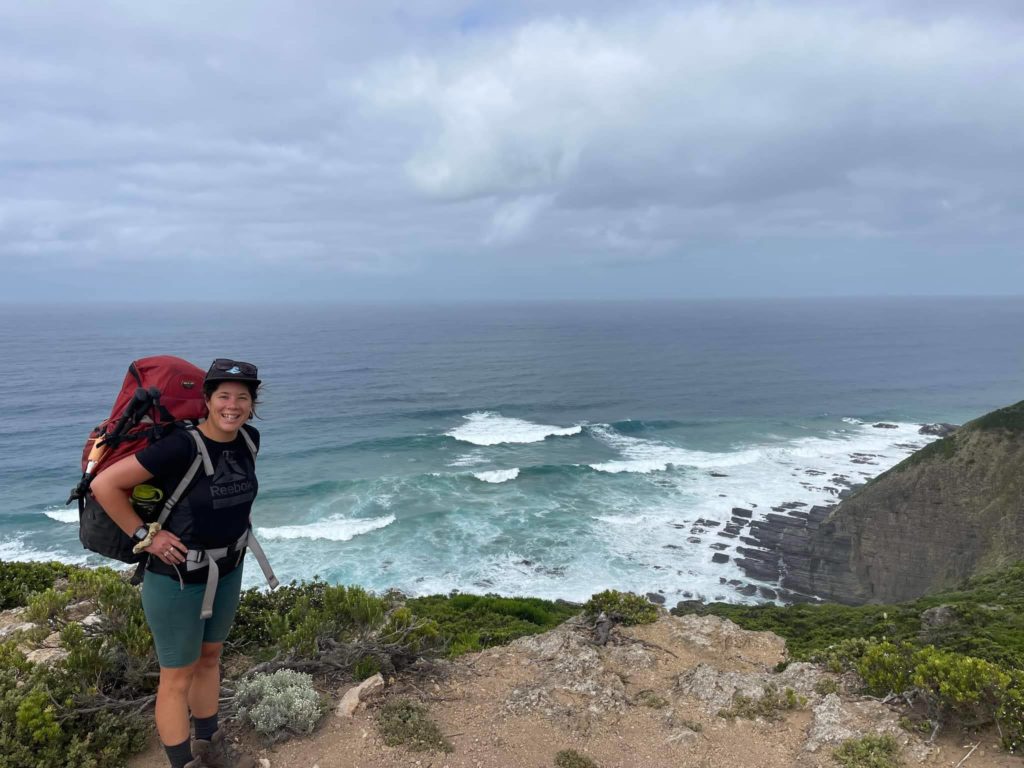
(215,513)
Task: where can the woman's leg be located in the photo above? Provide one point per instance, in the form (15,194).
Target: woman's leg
(172,704)
(173,617)
(204,694)
(210,744)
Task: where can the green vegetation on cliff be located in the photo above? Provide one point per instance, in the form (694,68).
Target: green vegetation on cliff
(1009,421)
(471,623)
(19,581)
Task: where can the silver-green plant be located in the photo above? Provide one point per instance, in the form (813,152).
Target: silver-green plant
(280,704)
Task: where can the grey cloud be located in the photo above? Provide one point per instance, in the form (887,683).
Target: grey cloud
(399,146)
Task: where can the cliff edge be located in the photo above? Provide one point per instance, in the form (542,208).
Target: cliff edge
(951,510)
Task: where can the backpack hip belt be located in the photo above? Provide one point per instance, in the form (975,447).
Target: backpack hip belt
(196,559)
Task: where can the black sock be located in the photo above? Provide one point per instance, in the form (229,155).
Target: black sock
(179,754)
(205,726)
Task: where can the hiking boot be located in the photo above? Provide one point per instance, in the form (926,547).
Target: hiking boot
(217,753)
(197,762)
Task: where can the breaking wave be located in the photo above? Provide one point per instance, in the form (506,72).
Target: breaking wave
(489,428)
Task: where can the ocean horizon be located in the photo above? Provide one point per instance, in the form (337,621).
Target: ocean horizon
(552,449)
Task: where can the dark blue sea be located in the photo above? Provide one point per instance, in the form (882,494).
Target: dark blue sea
(544,449)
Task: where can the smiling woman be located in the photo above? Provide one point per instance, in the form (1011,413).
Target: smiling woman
(194,572)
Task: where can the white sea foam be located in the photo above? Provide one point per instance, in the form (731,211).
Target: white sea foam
(646,456)
(487,428)
(62,514)
(331,529)
(18,550)
(497,475)
(472,459)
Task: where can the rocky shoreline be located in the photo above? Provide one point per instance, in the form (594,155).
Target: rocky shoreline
(774,550)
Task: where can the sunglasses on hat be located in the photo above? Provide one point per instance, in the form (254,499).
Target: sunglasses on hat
(233,367)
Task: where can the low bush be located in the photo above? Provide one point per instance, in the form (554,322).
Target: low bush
(625,607)
(886,667)
(957,690)
(61,716)
(405,723)
(570,758)
(869,752)
(341,628)
(19,581)
(280,704)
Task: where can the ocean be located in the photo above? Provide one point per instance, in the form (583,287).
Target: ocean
(537,449)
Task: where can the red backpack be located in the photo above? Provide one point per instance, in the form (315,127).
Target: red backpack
(158,394)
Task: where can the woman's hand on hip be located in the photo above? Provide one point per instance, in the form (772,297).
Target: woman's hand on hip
(167,548)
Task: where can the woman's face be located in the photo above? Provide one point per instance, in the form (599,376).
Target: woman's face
(230,406)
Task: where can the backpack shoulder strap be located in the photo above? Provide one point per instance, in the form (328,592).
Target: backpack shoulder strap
(201,451)
(250,442)
(201,460)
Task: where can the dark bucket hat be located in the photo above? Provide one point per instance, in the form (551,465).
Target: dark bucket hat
(225,369)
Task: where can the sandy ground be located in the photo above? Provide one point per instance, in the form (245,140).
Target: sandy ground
(517,706)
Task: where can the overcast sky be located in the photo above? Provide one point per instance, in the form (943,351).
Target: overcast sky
(446,149)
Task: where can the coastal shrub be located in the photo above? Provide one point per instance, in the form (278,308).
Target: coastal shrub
(570,758)
(956,689)
(127,645)
(873,751)
(1010,716)
(887,668)
(469,623)
(279,704)
(960,688)
(19,581)
(843,655)
(50,718)
(405,723)
(625,607)
(47,606)
(83,710)
(318,620)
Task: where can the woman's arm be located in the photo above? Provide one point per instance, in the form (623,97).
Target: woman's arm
(112,489)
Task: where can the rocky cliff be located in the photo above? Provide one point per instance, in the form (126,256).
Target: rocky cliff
(953,509)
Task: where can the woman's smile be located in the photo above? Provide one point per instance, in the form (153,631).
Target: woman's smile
(230,406)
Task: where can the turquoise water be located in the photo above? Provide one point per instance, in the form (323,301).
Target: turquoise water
(541,449)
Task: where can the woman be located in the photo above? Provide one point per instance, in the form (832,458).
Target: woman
(213,515)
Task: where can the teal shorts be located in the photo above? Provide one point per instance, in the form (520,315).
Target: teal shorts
(173,615)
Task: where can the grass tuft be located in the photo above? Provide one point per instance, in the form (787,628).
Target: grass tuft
(570,758)
(405,723)
(869,752)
